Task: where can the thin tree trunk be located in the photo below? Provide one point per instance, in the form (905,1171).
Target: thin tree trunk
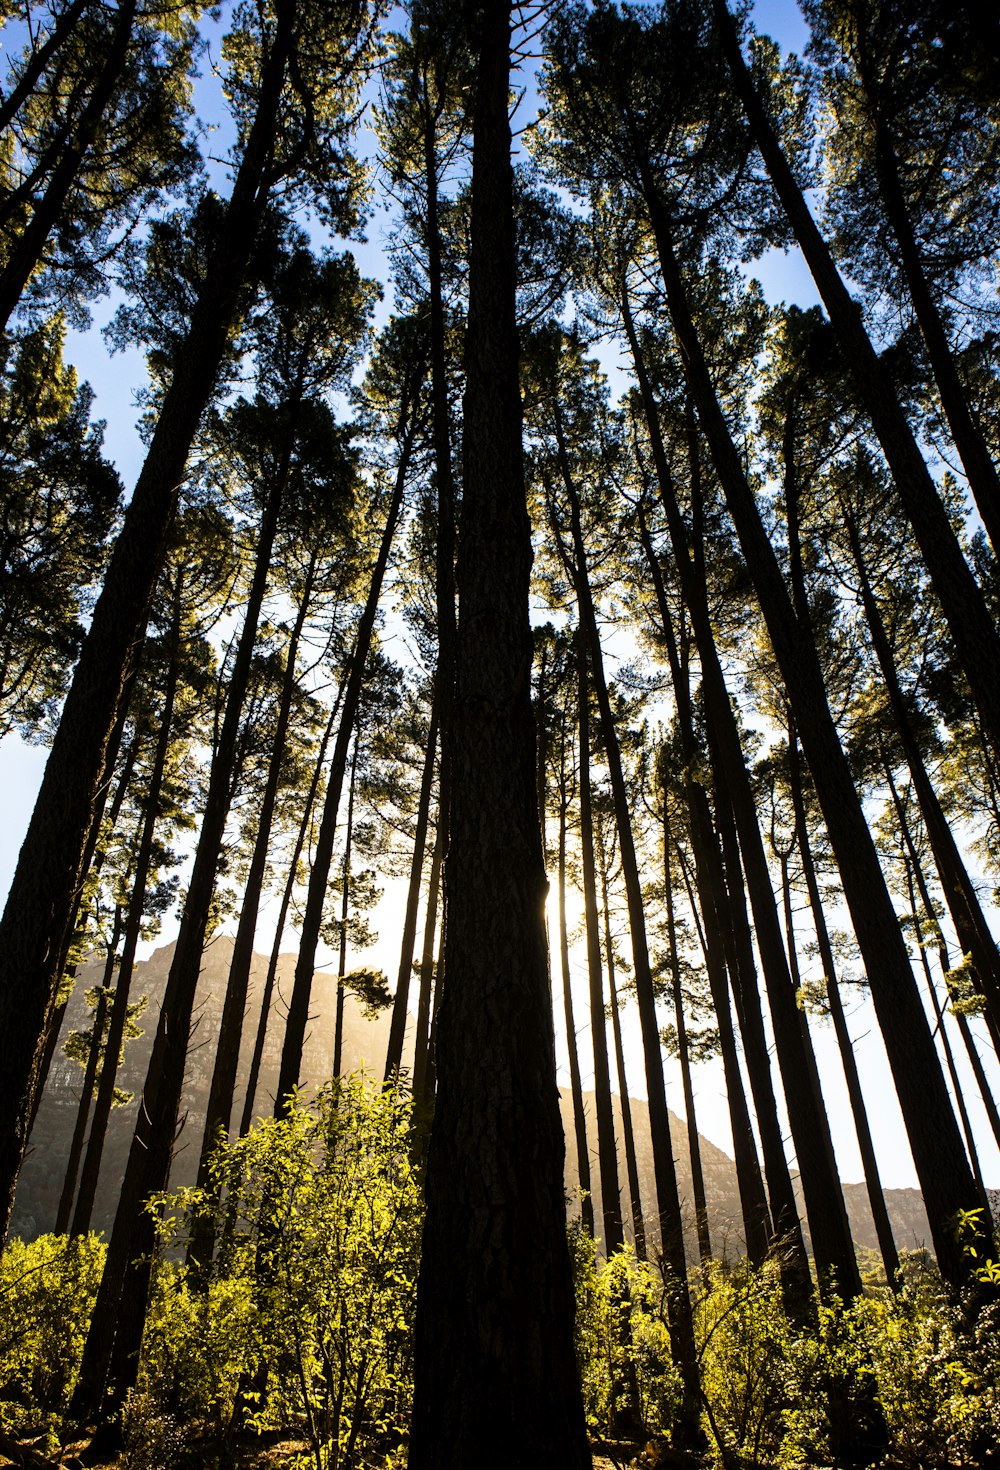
(694,1143)
(43,890)
(757,1230)
(256,1059)
(90,1174)
(422,1039)
(667,1198)
(298,1005)
(218,1111)
(712,897)
(829,1227)
(495,1297)
(397,1028)
(866,1147)
(575,1084)
(73,937)
(444,483)
(956,1085)
(89,1081)
(631,1159)
(345,909)
(607,1148)
(965,1029)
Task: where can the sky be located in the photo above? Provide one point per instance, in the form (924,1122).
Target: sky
(784,277)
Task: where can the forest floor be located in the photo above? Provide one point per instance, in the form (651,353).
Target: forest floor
(28,1455)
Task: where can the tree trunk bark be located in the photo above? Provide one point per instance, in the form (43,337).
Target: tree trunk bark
(575,1084)
(495,1298)
(397,1028)
(866,1147)
(607,1148)
(694,1143)
(631,1160)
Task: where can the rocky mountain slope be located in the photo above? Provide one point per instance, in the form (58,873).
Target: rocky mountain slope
(364,1046)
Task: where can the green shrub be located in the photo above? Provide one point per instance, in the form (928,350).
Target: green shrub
(47,1292)
(319,1216)
(745,1347)
(622,1342)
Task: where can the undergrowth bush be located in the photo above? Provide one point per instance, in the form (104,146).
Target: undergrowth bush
(622,1342)
(47,1292)
(302,1324)
(305,1317)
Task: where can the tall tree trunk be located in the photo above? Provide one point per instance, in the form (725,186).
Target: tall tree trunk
(681,1323)
(423,1089)
(607,1148)
(973,931)
(712,901)
(866,1147)
(218,1111)
(631,1158)
(90,1174)
(111,1353)
(319,877)
(43,890)
(495,1296)
(575,1084)
(257,1057)
(345,909)
(965,1030)
(89,1080)
(397,1028)
(939,1028)
(694,1143)
(969,620)
(935,1141)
